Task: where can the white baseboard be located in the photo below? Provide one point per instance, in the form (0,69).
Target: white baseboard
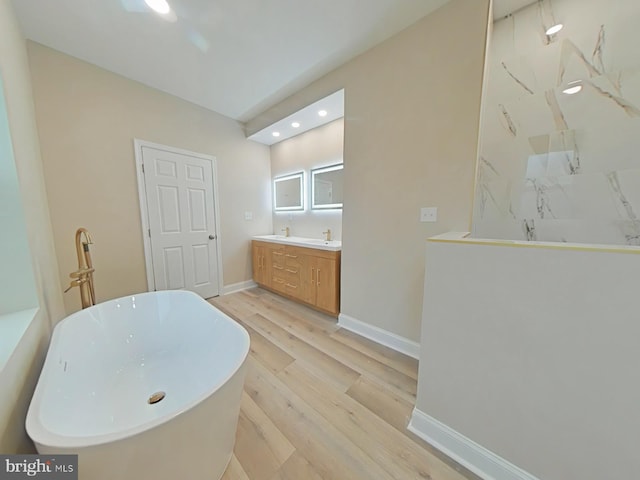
(238,287)
(466,452)
(378,335)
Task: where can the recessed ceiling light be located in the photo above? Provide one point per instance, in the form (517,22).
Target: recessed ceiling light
(295,124)
(572,90)
(554,29)
(573,87)
(322,113)
(159,6)
(276,134)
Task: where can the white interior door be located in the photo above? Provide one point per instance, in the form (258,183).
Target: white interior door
(180,197)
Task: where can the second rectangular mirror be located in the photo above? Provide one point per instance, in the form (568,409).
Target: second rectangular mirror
(326,187)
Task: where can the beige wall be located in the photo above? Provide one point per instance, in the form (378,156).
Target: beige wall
(539,362)
(21,371)
(411,127)
(316,148)
(88,118)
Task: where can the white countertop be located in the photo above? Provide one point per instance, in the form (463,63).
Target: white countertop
(332,245)
(466,238)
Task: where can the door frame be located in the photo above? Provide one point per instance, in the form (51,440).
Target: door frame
(144,211)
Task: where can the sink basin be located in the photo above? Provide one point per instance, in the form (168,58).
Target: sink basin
(333,245)
(269,237)
(315,241)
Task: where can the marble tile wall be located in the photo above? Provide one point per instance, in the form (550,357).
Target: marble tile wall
(553,166)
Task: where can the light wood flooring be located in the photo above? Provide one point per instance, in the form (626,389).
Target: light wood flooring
(322,403)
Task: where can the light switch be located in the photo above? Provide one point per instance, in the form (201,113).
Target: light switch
(248,216)
(429,214)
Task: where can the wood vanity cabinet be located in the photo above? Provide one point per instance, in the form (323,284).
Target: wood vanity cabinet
(308,275)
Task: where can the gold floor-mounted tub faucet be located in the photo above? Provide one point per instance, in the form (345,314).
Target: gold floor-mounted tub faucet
(83,277)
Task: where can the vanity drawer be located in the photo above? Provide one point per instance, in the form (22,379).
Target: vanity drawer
(277,255)
(289,274)
(293,257)
(278,270)
(278,283)
(291,288)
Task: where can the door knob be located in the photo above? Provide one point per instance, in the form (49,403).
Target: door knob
(212,237)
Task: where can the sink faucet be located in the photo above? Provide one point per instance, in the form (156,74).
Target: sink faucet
(286,231)
(328,235)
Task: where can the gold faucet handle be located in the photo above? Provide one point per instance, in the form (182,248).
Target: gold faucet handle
(75,283)
(82,272)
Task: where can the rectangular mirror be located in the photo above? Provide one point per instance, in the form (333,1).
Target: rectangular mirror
(288,192)
(326,187)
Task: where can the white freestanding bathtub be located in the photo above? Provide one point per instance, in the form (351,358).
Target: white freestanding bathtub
(105,365)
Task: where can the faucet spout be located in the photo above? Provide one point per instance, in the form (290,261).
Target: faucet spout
(83,247)
(83,277)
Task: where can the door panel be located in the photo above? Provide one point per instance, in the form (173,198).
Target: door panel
(165,168)
(197,210)
(180,205)
(201,262)
(173,268)
(169,209)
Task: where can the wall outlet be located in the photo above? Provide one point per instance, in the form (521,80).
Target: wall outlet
(248,216)
(429,214)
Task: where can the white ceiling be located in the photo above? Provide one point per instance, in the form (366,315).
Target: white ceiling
(308,118)
(235,57)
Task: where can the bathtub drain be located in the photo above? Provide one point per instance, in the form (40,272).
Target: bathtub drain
(156,397)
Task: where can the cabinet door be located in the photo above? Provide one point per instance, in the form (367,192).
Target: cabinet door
(261,263)
(266,265)
(257,261)
(308,280)
(326,288)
